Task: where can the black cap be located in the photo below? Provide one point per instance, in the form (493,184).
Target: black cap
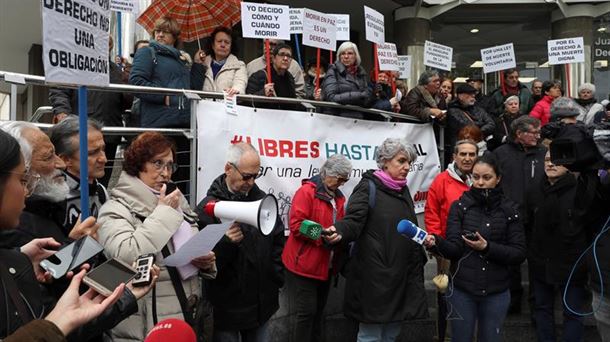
(474,77)
(466,89)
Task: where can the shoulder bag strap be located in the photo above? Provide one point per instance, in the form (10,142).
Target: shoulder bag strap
(9,283)
(468,116)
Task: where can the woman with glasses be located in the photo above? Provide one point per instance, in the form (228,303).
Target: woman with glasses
(141,218)
(309,263)
(385,274)
(282,82)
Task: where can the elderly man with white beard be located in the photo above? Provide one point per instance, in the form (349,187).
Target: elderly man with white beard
(45,206)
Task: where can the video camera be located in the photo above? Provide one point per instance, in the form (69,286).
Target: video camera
(579,147)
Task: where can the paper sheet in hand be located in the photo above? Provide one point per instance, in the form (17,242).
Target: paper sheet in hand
(199,245)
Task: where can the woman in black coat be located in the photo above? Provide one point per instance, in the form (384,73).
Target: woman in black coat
(562,209)
(385,275)
(346,81)
(484,237)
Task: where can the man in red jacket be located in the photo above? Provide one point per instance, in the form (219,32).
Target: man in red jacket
(447,187)
(310,264)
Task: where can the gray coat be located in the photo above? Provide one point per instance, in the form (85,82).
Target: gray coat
(342,87)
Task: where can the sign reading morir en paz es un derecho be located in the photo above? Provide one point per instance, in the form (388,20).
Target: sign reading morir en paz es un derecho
(265,21)
(319,30)
(75,41)
(387,57)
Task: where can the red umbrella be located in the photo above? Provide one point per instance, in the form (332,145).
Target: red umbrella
(197,18)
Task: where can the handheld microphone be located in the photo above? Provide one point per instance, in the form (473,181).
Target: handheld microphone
(410,230)
(311,229)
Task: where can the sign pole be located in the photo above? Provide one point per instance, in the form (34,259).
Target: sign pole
(568,80)
(119,37)
(330,61)
(268,58)
(502,86)
(298,48)
(318,69)
(83,151)
(376,58)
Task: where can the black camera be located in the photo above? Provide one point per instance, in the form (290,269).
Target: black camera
(579,147)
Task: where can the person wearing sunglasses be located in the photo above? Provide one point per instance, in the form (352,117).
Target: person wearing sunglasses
(244,295)
(282,81)
(310,264)
(140,218)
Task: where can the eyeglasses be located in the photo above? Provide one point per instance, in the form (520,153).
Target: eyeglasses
(536,133)
(159,166)
(342,180)
(28,180)
(246,176)
(284,54)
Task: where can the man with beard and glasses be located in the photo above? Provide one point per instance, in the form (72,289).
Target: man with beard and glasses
(45,206)
(250,270)
(64,137)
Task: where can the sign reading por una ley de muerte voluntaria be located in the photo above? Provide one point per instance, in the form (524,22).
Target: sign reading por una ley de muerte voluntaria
(75,41)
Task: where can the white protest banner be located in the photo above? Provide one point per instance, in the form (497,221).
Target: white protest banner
(437,55)
(342,26)
(265,21)
(319,30)
(498,58)
(125,6)
(404,67)
(296,20)
(568,50)
(387,57)
(294,146)
(75,47)
(374,26)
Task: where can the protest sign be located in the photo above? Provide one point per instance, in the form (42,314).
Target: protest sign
(125,6)
(75,47)
(498,58)
(387,56)
(342,26)
(374,26)
(404,67)
(319,30)
(265,21)
(293,146)
(296,20)
(437,55)
(564,51)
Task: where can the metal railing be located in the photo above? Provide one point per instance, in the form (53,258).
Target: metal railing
(193,96)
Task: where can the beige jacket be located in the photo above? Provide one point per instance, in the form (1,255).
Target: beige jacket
(294,69)
(232,75)
(125,236)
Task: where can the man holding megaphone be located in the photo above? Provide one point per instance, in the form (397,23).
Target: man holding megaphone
(250,271)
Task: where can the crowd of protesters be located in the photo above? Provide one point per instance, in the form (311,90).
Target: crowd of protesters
(500,200)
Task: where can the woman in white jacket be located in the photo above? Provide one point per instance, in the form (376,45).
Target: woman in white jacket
(224,70)
(140,218)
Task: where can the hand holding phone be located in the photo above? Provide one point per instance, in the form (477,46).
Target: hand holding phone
(472,236)
(109,275)
(71,256)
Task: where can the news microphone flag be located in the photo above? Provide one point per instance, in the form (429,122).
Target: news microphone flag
(312,230)
(410,230)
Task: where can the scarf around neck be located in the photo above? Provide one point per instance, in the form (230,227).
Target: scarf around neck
(390,182)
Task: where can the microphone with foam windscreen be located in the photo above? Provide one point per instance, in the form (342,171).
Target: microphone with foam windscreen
(311,229)
(410,230)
